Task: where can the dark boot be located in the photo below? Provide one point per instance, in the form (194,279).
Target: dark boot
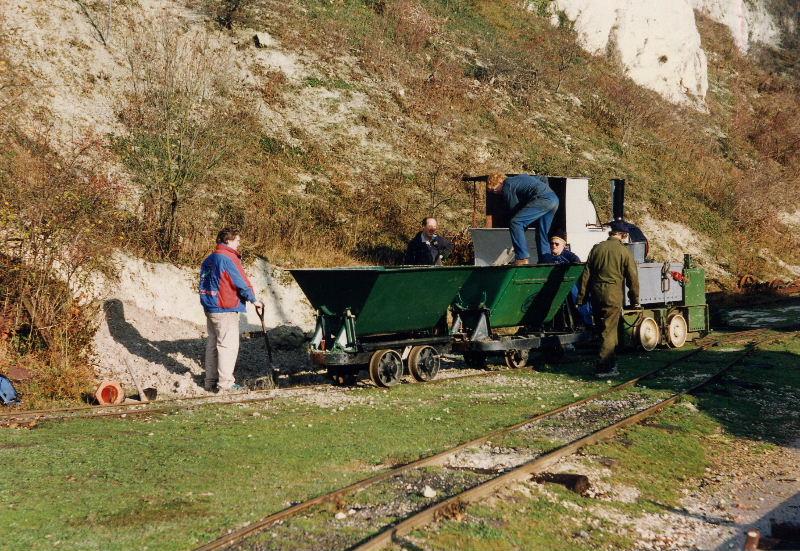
(606,371)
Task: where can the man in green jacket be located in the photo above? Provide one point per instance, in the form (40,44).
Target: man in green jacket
(609,267)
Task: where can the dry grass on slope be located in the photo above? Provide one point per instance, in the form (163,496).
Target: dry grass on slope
(385,104)
(58,225)
(372,110)
(463,86)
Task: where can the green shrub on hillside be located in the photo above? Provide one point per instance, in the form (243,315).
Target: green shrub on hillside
(189,122)
(60,228)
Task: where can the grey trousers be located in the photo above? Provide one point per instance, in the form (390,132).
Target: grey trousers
(222,348)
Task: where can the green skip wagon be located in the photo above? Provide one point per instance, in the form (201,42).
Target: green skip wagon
(511,310)
(383,318)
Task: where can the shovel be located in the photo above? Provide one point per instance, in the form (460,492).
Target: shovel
(269,380)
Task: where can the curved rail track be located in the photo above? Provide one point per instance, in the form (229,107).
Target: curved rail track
(483,489)
(172,404)
(392,533)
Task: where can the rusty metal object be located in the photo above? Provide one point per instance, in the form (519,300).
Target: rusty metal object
(749,284)
(747,281)
(751,543)
(578,483)
(109,393)
(778,283)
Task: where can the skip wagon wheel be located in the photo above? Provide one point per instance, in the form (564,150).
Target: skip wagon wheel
(515,359)
(385,367)
(423,363)
(676,331)
(648,333)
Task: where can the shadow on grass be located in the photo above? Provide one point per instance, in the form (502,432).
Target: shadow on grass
(755,399)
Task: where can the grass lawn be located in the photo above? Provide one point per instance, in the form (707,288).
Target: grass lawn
(176,480)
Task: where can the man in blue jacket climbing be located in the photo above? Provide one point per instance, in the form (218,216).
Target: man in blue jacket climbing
(224,289)
(531,201)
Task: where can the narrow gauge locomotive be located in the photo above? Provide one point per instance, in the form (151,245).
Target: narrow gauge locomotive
(390,319)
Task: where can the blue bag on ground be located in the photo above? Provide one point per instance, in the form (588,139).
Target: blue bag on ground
(8,394)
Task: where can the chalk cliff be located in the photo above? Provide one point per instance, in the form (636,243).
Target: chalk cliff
(657,43)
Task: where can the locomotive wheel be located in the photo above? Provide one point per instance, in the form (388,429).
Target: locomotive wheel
(423,363)
(677,331)
(648,333)
(475,360)
(516,359)
(385,368)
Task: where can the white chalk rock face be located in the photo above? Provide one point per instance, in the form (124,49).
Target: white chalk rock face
(169,291)
(657,43)
(749,22)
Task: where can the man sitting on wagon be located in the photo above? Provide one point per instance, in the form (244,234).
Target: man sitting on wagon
(561,255)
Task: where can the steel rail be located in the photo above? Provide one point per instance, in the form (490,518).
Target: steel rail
(172,404)
(135,409)
(520,473)
(179,403)
(253,528)
(160,406)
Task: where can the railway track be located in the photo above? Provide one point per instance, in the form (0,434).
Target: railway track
(172,404)
(457,502)
(486,484)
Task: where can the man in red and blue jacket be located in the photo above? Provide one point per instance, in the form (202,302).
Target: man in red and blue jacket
(224,291)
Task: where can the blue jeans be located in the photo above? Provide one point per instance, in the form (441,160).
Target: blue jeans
(541,211)
(585,310)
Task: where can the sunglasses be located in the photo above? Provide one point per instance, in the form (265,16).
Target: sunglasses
(556,243)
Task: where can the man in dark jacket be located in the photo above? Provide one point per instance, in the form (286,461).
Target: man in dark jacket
(531,201)
(609,266)
(224,289)
(427,248)
(561,255)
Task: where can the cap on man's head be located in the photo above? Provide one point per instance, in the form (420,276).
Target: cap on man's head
(619,226)
(559,234)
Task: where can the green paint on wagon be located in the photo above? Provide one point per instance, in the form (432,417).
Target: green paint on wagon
(384,300)
(519,295)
